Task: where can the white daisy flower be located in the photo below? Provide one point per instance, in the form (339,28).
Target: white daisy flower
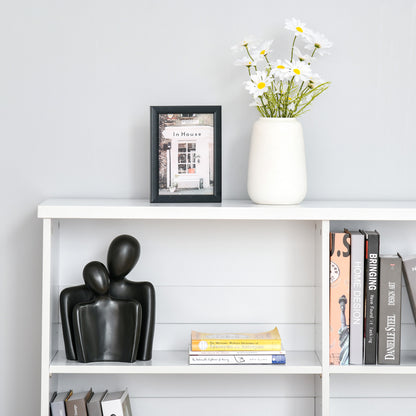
(259,84)
(246,61)
(303,57)
(296,26)
(280,69)
(317,41)
(245,42)
(264,49)
(301,71)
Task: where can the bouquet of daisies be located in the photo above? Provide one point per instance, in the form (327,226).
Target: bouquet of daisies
(285,88)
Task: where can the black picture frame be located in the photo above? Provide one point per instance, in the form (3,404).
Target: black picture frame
(185,153)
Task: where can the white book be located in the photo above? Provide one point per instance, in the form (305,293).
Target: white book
(116,404)
(237,359)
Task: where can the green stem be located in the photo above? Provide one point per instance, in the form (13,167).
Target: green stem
(267,60)
(248,53)
(291,53)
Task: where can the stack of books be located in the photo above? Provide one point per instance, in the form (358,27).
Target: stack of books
(236,348)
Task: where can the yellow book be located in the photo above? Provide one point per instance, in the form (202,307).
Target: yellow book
(267,341)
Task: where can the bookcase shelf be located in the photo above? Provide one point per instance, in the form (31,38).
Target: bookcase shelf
(176,362)
(219,267)
(407,366)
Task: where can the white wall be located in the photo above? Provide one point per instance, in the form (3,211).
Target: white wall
(76,81)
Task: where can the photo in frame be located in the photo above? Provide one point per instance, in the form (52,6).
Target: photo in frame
(185,153)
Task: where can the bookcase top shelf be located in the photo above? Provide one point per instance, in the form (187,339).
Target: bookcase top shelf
(228,210)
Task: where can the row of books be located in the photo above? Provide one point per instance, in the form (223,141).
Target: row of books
(365,299)
(88,403)
(236,348)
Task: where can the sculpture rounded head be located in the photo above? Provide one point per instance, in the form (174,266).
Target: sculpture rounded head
(96,277)
(123,255)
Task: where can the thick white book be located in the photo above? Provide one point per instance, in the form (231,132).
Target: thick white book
(116,404)
(237,359)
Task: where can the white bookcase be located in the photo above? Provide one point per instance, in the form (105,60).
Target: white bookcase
(234,266)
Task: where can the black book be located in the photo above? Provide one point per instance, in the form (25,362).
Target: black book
(372,283)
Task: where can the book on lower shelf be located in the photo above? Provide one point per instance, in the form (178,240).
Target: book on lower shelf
(357,297)
(390,310)
(339,298)
(372,279)
(57,404)
(94,404)
(76,405)
(116,404)
(236,348)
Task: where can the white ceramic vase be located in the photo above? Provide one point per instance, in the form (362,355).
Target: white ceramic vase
(277,166)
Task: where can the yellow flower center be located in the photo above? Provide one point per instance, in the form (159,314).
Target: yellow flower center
(317,45)
(280,67)
(244,43)
(296,71)
(263,52)
(261,85)
(299,29)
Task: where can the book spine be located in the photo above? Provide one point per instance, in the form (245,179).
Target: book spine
(58,409)
(372,294)
(339,298)
(94,409)
(237,359)
(390,310)
(232,345)
(409,274)
(112,408)
(357,300)
(76,408)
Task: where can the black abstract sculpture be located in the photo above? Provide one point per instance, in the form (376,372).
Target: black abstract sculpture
(70,297)
(123,255)
(105,329)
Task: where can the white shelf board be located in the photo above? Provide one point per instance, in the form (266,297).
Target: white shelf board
(176,362)
(407,366)
(227,210)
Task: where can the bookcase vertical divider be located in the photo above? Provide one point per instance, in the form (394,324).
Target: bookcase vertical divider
(322,315)
(46,313)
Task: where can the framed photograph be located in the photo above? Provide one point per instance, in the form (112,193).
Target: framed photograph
(185,154)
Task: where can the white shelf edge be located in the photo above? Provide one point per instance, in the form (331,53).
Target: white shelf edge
(407,366)
(228,210)
(175,362)
(373,369)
